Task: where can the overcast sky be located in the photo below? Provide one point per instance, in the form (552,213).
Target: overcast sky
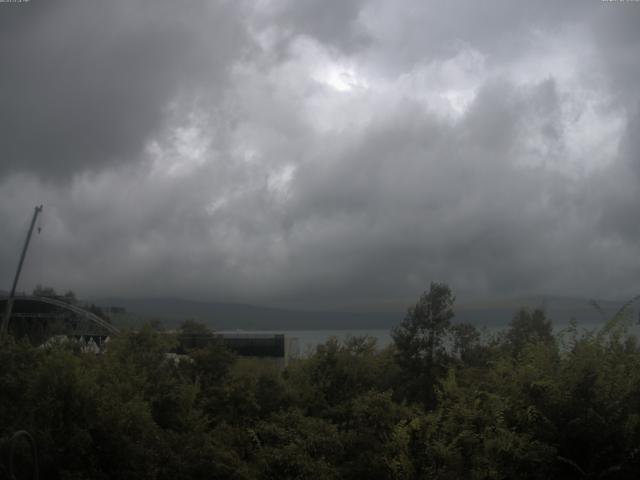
(329,153)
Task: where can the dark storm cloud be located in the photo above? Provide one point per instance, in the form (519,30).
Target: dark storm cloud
(84,84)
(323,154)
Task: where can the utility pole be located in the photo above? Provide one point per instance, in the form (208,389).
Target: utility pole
(7,313)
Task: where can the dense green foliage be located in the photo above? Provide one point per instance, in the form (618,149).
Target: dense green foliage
(440,403)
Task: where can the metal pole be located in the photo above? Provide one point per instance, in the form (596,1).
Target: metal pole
(9,307)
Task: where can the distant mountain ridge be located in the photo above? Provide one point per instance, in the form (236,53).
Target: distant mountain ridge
(226,316)
(559,309)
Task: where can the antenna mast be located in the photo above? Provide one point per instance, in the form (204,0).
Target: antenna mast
(7,313)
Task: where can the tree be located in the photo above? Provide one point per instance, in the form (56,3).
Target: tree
(41,291)
(70,297)
(193,334)
(528,327)
(466,344)
(420,342)
(338,372)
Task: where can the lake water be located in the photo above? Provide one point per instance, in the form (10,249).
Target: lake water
(308,340)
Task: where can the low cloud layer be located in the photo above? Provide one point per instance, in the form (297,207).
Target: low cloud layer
(322,154)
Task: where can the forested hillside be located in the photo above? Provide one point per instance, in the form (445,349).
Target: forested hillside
(439,403)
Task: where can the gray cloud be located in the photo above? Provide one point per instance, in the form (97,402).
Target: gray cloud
(333,22)
(86,84)
(322,154)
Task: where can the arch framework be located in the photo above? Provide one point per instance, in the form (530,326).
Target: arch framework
(91,317)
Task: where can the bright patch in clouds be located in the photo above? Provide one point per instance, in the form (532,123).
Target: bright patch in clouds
(183,150)
(340,78)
